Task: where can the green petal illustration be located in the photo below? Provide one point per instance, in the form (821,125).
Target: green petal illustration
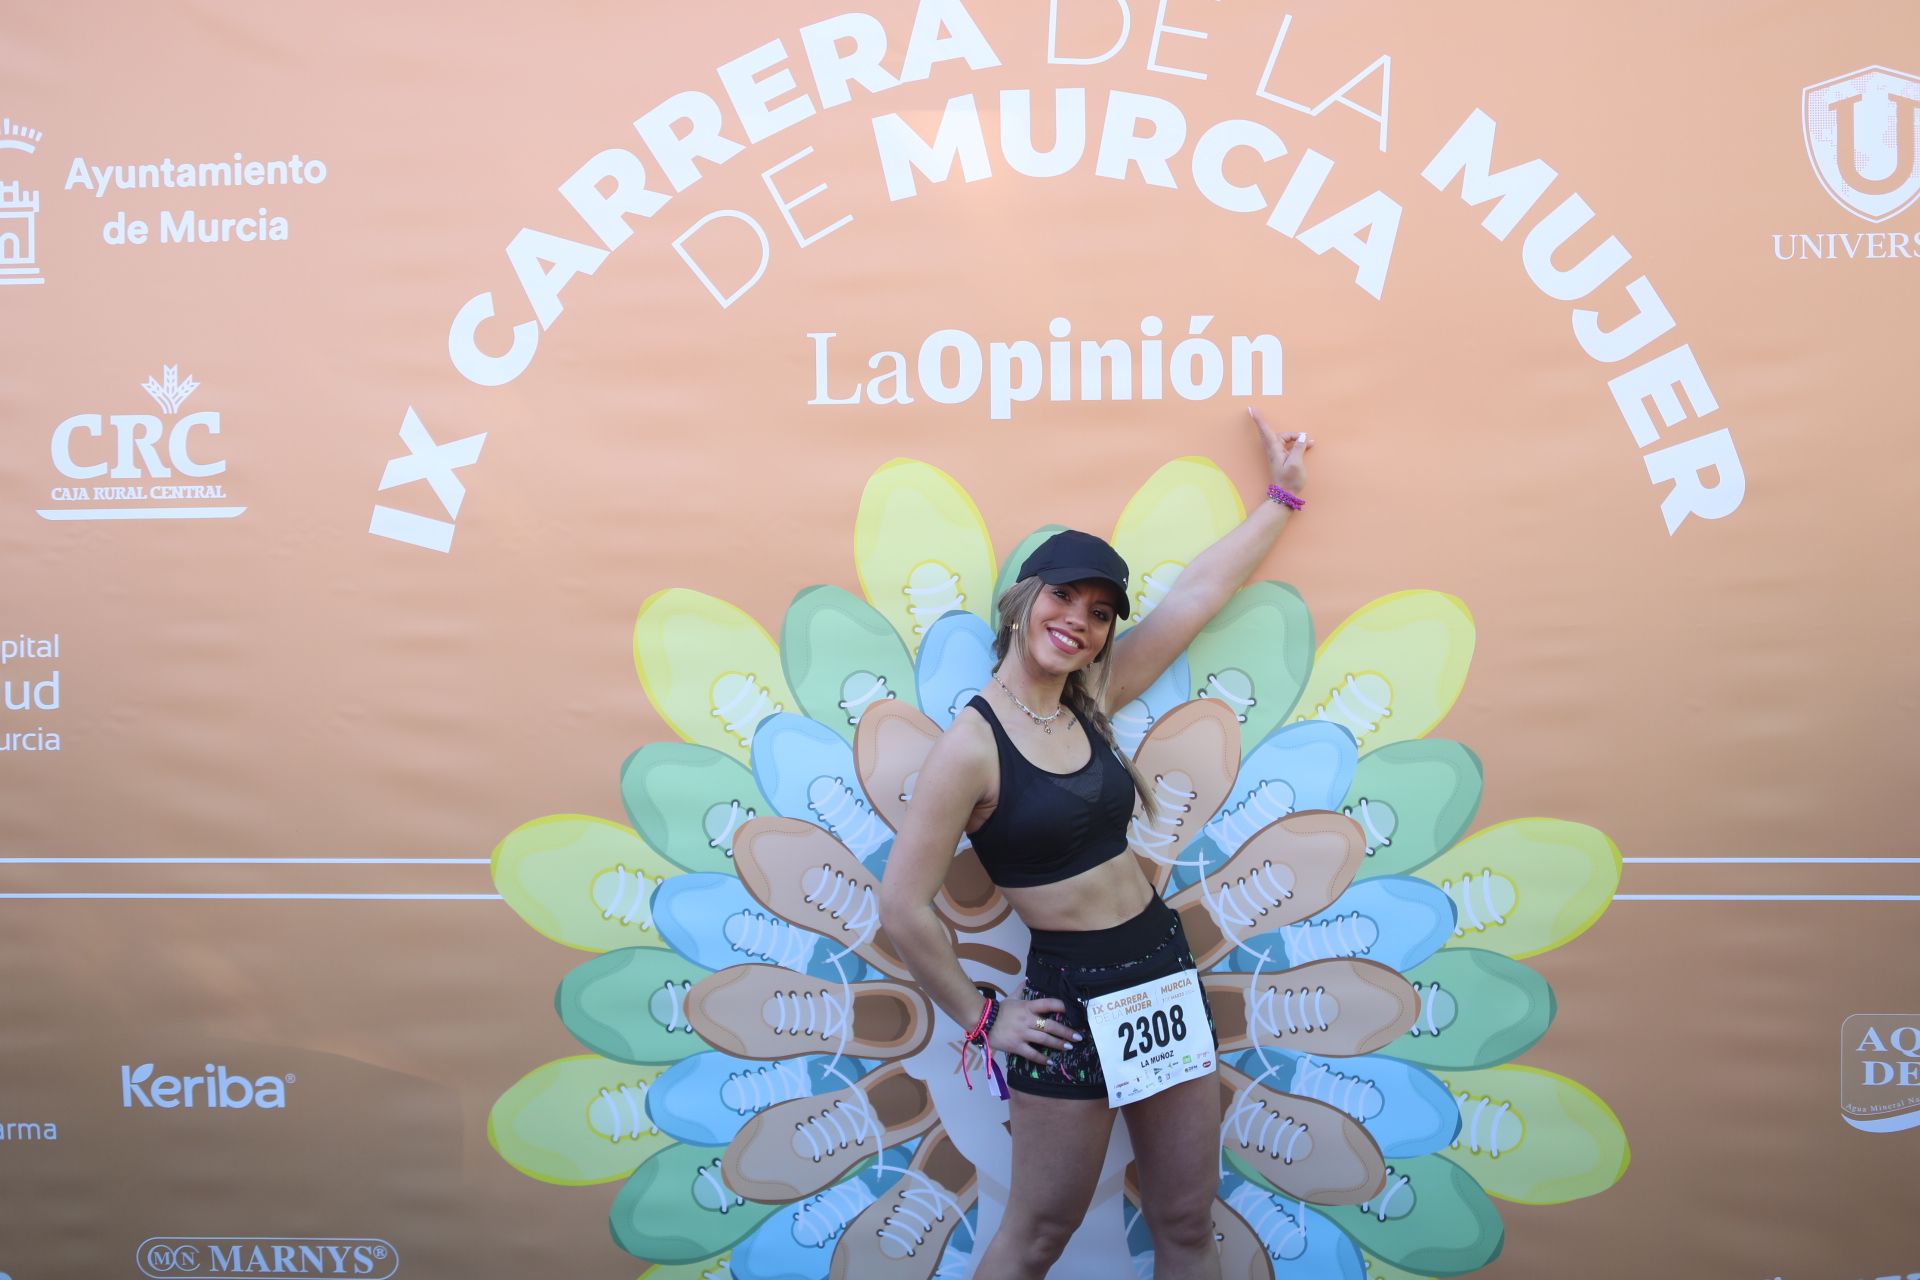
(1254,656)
(921,548)
(687,802)
(1011,565)
(1527,886)
(582,881)
(840,656)
(1477,1008)
(1412,799)
(1534,1137)
(577,1121)
(1183,508)
(1433,1219)
(631,1005)
(1391,671)
(676,1208)
(712,671)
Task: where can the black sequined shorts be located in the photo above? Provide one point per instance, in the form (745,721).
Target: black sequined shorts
(1075,967)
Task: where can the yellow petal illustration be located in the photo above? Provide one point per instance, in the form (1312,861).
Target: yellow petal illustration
(1526,886)
(1534,1137)
(1182,509)
(1392,671)
(921,548)
(577,1121)
(582,881)
(712,672)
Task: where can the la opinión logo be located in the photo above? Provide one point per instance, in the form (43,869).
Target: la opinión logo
(219,1088)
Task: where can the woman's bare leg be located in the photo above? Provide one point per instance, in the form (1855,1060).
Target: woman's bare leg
(1059,1145)
(1176,1154)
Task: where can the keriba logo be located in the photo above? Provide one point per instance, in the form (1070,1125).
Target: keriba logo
(219,1088)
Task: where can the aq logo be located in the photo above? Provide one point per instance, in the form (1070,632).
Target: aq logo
(1880,1071)
(1861,131)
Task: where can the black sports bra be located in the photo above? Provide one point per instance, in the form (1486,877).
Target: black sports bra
(1049,826)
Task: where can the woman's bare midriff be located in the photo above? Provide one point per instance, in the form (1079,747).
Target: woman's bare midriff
(1098,898)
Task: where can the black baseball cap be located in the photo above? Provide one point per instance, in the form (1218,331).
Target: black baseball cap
(1073,556)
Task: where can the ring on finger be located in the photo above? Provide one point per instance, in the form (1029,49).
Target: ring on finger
(1039,1024)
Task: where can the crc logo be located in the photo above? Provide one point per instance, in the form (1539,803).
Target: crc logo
(142,466)
(219,1089)
(310,1258)
(1861,131)
(1880,1071)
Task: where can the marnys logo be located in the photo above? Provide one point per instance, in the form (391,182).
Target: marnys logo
(221,1257)
(218,1088)
(142,447)
(1880,1071)
(1861,130)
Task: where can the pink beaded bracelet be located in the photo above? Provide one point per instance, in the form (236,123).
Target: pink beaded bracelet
(1285,499)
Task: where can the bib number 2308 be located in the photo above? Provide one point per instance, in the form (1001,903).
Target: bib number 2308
(1151,1036)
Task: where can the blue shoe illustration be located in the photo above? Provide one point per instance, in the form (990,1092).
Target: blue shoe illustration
(1303,766)
(1398,921)
(1407,1110)
(705,1099)
(956,661)
(1300,1243)
(713,921)
(797,1242)
(687,801)
(1131,722)
(806,770)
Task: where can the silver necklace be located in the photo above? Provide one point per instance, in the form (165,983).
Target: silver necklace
(1045,722)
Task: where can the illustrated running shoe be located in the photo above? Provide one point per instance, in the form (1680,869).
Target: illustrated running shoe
(1337,1008)
(1393,669)
(841,657)
(1190,758)
(1291,1238)
(577,1121)
(1132,722)
(903,1235)
(631,1005)
(1254,656)
(1298,1145)
(1010,567)
(677,1208)
(1395,920)
(955,662)
(582,881)
(1413,799)
(687,802)
(1288,871)
(1529,885)
(1534,1137)
(759,1011)
(1477,1009)
(797,1242)
(711,670)
(706,1098)
(921,548)
(713,920)
(1432,1219)
(1405,1109)
(811,880)
(796,1148)
(1303,766)
(807,772)
(1185,507)
(889,749)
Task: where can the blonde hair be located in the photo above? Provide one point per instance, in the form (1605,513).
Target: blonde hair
(1085,693)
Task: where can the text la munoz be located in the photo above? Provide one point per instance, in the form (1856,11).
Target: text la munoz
(688,135)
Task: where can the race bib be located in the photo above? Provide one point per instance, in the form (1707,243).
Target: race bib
(1151,1036)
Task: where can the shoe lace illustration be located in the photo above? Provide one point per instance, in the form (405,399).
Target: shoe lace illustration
(626,895)
(1281,1231)
(1356,1095)
(809,1013)
(668,1005)
(932,589)
(1484,1122)
(1265,804)
(710,1193)
(849,1122)
(1281,1011)
(621,1113)
(918,1203)
(721,821)
(850,903)
(1246,898)
(1395,1199)
(1347,934)
(757,1088)
(1377,821)
(1361,702)
(1155,583)
(844,813)
(1256,1123)
(1162,831)
(860,690)
(819,1220)
(1481,915)
(740,703)
(1436,1009)
(759,936)
(1233,687)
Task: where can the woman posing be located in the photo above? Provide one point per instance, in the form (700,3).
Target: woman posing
(1030,772)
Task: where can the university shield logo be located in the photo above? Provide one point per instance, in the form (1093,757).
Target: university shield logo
(1861,131)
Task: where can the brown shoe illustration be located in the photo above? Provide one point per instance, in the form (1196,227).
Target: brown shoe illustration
(1334,1007)
(1191,757)
(810,879)
(889,746)
(803,1145)
(903,1234)
(1285,872)
(764,1011)
(1303,1147)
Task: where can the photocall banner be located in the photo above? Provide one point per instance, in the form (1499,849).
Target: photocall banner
(496,504)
